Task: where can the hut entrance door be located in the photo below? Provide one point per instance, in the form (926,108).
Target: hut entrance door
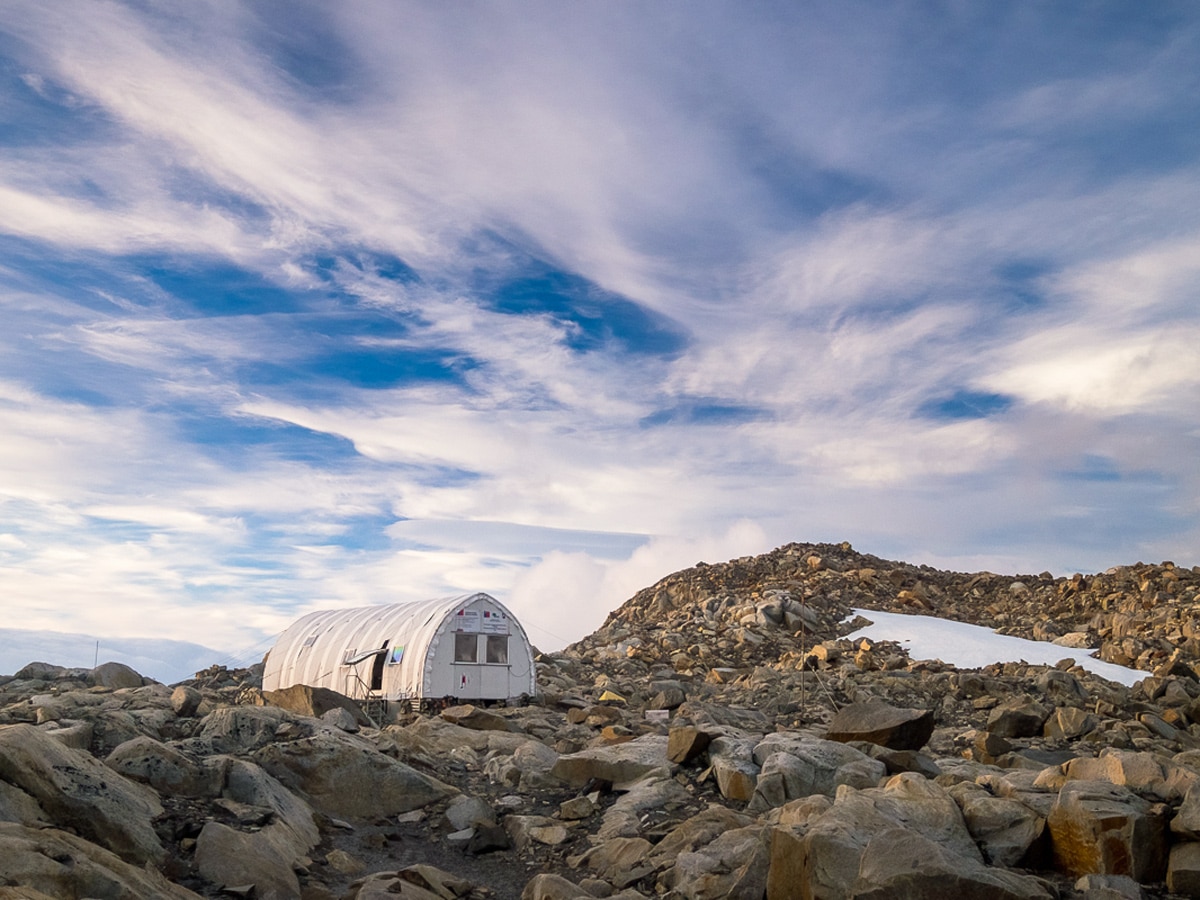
(467,669)
(377,668)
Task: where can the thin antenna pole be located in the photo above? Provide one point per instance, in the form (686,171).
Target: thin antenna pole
(96,660)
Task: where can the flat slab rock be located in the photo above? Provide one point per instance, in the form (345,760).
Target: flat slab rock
(879,723)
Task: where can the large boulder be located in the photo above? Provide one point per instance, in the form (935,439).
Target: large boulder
(341,775)
(1144,773)
(267,856)
(829,854)
(899,864)
(294,830)
(1097,827)
(230,858)
(1017,718)
(734,865)
(314,702)
(243,729)
(164,768)
(116,675)
(1183,870)
(470,716)
(58,864)
(1003,827)
(794,767)
(618,764)
(625,817)
(696,832)
(881,723)
(80,792)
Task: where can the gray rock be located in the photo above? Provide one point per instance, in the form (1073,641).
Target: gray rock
(243,729)
(79,791)
(1186,823)
(697,832)
(794,767)
(70,733)
(624,817)
(165,769)
(226,857)
(899,864)
(620,861)
(831,850)
(1068,723)
(341,775)
(1109,887)
(58,864)
(465,811)
(116,675)
(341,719)
(1004,828)
(293,828)
(547,886)
(525,831)
(734,865)
(619,764)
(186,700)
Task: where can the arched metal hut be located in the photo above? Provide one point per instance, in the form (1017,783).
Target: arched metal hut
(468,648)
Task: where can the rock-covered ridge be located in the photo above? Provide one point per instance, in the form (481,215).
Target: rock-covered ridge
(761,608)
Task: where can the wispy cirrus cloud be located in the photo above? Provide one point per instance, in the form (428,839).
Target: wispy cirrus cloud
(330,305)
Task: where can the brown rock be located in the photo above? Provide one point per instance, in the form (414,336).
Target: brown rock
(883,724)
(898,864)
(226,857)
(1017,718)
(473,717)
(1097,827)
(553,887)
(313,701)
(686,742)
(1183,870)
(1067,723)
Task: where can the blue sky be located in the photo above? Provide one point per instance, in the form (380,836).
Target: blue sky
(310,305)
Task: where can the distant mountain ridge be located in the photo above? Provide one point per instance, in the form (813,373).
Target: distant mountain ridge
(163,660)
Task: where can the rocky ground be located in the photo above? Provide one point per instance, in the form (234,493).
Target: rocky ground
(717,737)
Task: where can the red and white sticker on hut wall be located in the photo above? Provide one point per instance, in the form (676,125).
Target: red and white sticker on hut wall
(467,620)
(494,622)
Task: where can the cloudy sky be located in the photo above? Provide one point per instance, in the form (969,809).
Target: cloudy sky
(310,304)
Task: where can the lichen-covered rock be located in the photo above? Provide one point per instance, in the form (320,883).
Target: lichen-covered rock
(76,790)
(164,768)
(342,776)
(58,864)
(1097,827)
